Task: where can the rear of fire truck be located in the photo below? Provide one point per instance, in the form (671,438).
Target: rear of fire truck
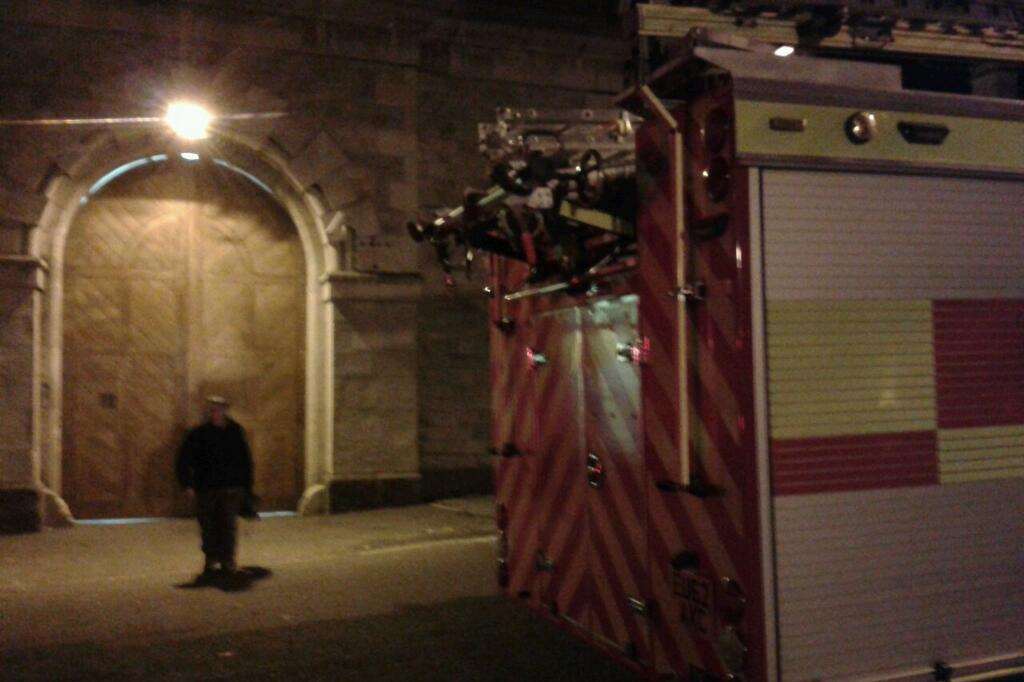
(757,350)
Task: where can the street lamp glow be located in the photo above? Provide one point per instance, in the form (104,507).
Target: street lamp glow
(784,50)
(188,120)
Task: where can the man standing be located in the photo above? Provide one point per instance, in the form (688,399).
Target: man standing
(215,463)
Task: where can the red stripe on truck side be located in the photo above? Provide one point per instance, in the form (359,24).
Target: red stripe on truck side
(979,362)
(834,464)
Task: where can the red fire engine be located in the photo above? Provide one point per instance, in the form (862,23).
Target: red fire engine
(757,362)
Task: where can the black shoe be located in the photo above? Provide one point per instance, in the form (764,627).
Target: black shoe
(234,580)
(207,577)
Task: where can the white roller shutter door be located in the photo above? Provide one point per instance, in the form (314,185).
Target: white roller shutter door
(895,342)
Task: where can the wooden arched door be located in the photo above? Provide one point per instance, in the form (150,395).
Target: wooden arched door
(182,279)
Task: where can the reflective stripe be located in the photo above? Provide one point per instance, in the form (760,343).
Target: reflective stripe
(850,367)
(981,454)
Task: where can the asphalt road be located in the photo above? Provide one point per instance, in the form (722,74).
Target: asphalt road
(396,594)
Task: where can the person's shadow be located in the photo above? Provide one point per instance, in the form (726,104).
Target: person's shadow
(236,581)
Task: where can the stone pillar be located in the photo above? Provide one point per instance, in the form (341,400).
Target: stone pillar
(376,456)
(21,286)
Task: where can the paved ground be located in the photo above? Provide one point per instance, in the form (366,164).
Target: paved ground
(398,594)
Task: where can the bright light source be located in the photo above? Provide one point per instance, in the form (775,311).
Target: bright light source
(187,120)
(784,50)
(190,156)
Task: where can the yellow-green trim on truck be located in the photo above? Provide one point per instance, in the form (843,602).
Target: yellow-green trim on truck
(770,131)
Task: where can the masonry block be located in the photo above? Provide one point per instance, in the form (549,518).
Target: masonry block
(13,237)
(292,134)
(16,410)
(318,159)
(21,205)
(439,484)
(363,218)
(375,376)
(371,493)
(15,319)
(20,511)
(404,197)
(342,189)
(454,374)
(396,88)
(386,252)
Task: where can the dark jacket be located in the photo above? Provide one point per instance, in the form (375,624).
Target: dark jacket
(215,457)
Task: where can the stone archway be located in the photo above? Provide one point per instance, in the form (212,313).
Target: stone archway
(68,196)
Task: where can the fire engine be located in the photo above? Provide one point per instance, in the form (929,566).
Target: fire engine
(757,355)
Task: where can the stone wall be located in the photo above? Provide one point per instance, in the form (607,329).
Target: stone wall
(454,396)
(376,458)
(380,102)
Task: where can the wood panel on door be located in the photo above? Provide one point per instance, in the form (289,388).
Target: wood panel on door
(181,280)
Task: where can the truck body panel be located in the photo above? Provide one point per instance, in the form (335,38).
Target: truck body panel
(788,443)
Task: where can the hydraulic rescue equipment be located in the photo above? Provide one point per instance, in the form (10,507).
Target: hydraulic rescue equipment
(563,200)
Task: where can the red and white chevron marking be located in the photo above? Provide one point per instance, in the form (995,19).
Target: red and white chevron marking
(560,504)
(501,414)
(527,378)
(511,414)
(618,512)
(720,530)
(659,169)
(725,405)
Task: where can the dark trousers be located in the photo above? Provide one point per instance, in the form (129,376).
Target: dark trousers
(217,511)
